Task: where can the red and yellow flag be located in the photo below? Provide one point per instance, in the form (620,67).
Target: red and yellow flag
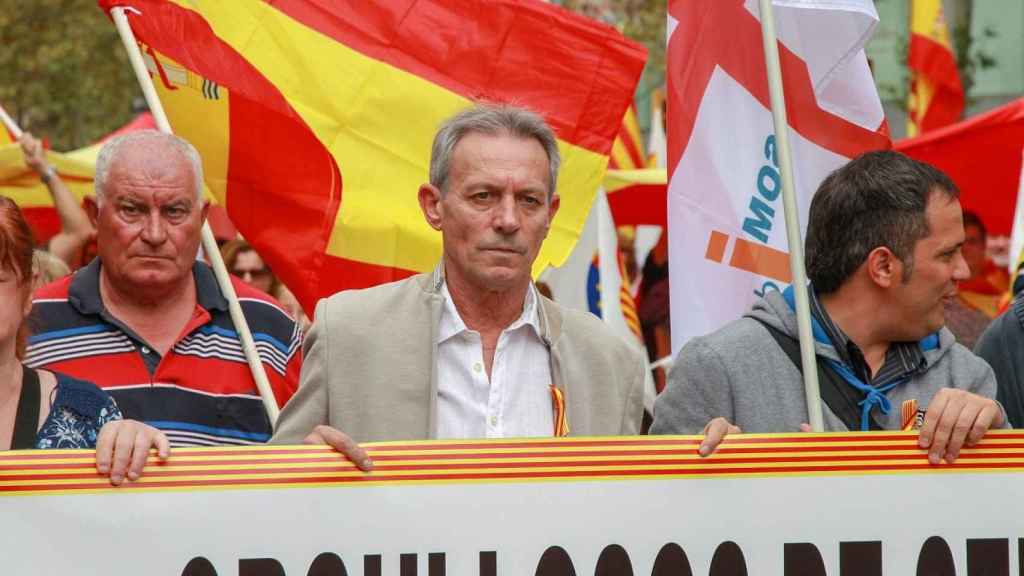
(22,184)
(628,148)
(75,168)
(315,119)
(936,97)
(638,197)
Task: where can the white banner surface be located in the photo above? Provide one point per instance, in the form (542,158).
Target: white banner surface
(852,505)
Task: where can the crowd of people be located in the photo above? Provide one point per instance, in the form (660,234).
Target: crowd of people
(136,350)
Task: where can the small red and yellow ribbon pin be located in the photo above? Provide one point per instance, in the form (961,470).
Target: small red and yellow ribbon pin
(910,417)
(558,406)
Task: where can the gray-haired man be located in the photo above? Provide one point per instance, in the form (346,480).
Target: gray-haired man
(471,349)
(147,322)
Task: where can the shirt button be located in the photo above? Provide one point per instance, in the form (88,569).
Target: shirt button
(477,367)
(145,350)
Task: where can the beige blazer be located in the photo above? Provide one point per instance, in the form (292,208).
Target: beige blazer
(369,367)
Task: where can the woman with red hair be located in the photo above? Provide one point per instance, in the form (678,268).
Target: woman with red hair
(41,409)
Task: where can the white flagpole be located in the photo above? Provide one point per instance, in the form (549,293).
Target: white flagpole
(209,242)
(11,125)
(607,258)
(1016,250)
(796,250)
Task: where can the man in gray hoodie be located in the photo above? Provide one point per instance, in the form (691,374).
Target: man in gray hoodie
(883,257)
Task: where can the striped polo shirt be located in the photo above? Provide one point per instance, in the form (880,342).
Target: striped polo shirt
(201,392)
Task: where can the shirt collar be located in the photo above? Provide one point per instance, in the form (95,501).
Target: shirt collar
(84,291)
(908,355)
(451,323)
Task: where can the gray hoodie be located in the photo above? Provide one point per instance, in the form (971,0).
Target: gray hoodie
(740,372)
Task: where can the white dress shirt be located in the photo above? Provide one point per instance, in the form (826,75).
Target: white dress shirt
(516,401)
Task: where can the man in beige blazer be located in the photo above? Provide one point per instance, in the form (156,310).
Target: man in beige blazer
(471,349)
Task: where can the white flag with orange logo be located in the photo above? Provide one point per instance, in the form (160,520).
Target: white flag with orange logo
(727,237)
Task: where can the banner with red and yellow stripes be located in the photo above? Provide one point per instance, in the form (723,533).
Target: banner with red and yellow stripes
(936,97)
(762,504)
(314,119)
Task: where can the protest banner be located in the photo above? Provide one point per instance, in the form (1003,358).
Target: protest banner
(864,504)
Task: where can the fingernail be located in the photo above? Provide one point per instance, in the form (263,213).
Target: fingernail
(103,468)
(703,450)
(933,458)
(924,441)
(133,476)
(116,480)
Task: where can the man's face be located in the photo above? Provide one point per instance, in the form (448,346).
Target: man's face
(938,265)
(974,249)
(496,211)
(149,222)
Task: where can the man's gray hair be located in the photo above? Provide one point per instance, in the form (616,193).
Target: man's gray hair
(113,146)
(491,119)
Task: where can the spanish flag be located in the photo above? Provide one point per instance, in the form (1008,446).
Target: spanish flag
(314,119)
(936,97)
(21,184)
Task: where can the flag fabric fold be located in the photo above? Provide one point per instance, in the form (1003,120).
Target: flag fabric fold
(727,237)
(315,118)
(987,187)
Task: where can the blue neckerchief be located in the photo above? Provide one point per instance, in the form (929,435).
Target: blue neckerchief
(873,396)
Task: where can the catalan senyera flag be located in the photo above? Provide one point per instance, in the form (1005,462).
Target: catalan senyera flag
(936,96)
(628,148)
(315,118)
(727,233)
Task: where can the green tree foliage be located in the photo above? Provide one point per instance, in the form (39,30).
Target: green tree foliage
(645,21)
(64,74)
(641,20)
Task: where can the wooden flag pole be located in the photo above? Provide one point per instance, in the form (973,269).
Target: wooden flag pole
(209,242)
(796,247)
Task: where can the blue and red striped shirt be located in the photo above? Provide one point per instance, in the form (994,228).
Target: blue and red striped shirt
(201,392)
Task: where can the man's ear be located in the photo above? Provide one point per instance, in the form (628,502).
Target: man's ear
(431,205)
(884,268)
(92,209)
